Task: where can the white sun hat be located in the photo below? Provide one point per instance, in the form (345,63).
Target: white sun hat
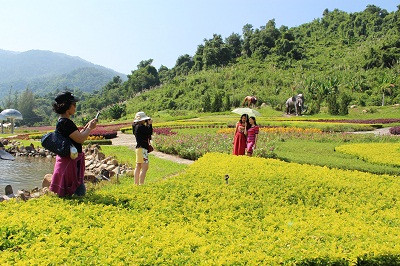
(140,116)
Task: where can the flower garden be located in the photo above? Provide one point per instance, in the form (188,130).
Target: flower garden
(309,196)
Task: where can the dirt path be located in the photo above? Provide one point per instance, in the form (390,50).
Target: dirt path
(379,131)
(130,141)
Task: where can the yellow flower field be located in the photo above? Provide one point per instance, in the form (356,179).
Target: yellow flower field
(266,212)
(384,153)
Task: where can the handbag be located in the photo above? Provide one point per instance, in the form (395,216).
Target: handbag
(57,143)
(150,149)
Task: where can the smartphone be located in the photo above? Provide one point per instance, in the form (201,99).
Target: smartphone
(97,116)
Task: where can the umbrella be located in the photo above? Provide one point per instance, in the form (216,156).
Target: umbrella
(248,111)
(12,114)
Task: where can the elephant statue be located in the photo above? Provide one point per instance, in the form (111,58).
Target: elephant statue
(296,103)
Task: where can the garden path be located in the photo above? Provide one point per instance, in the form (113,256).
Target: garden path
(130,141)
(379,131)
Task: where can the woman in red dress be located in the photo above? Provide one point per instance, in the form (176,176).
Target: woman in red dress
(239,142)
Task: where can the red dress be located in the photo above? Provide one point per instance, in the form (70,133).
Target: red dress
(239,143)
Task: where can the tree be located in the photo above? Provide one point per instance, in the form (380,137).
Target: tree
(216,52)
(234,43)
(198,58)
(386,87)
(183,65)
(206,103)
(165,74)
(217,103)
(26,106)
(227,103)
(145,77)
(116,111)
(8,102)
(247,32)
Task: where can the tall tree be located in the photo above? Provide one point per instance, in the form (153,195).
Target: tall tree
(26,106)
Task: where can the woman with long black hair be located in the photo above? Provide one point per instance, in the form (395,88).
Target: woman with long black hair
(69,171)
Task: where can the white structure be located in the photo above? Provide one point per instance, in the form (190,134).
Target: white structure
(2,118)
(11,114)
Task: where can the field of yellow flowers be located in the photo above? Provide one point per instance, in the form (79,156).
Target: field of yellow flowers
(383,153)
(223,209)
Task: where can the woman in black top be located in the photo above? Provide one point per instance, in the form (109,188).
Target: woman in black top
(142,129)
(69,171)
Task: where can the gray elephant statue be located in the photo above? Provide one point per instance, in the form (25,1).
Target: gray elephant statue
(296,103)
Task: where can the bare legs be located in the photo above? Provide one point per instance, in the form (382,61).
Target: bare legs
(140,173)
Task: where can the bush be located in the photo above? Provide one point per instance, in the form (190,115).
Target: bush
(345,100)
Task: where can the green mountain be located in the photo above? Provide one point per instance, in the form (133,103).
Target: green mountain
(46,71)
(334,61)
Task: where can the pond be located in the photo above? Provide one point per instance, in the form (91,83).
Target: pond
(24,172)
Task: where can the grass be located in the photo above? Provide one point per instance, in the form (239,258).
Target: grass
(324,154)
(158,168)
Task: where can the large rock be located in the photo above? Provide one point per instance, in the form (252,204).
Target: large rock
(89,176)
(100,156)
(46,180)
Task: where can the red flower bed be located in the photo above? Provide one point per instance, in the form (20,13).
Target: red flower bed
(395,130)
(163,131)
(358,121)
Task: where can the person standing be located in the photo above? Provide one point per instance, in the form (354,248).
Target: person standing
(142,129)
(252,134)
(69,171)
(239,141)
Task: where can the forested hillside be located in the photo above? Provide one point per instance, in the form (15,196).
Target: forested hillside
(45,71)
(338,59)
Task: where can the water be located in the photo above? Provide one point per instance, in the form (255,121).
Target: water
(24,172)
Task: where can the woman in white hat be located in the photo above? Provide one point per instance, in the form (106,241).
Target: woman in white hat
(142,129)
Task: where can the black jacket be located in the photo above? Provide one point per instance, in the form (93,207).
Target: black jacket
(143,135)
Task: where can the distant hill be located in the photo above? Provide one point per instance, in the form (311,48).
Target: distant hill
(46,71)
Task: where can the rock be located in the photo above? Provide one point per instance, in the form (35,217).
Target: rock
(89,176)
(263,105)
(100,156)
(46,181)
(29,149)
(42,152)
(365,111)
(353,106)
(35,195)
(130,173)
(110,167)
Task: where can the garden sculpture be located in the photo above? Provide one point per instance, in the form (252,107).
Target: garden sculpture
(296,103)
(249,100)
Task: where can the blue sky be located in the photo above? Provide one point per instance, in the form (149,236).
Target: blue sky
(118,34)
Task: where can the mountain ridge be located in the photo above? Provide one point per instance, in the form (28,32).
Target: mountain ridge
(33,68)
